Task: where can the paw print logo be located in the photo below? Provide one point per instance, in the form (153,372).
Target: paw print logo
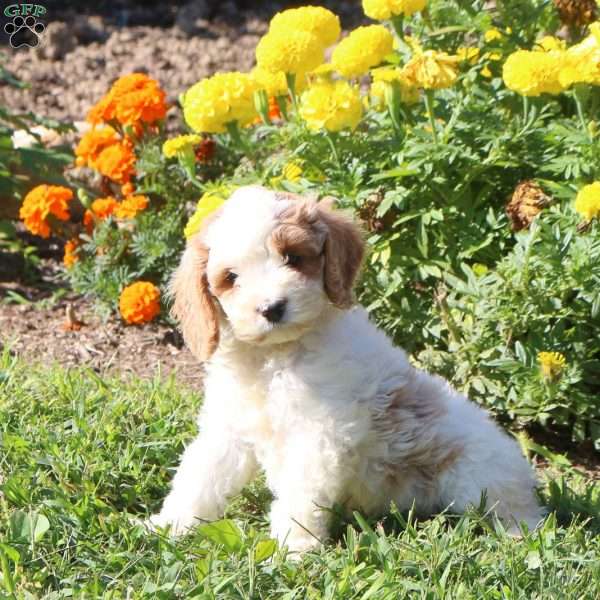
(24,31)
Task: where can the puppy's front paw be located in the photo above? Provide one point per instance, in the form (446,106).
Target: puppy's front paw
(176,524)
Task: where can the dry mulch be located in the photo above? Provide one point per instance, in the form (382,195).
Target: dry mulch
(38,328)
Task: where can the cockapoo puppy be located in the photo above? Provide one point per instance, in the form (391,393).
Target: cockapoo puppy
(301,384)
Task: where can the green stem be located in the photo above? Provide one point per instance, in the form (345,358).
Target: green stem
(525,110)
(579,102)
(429,105)
(291,83)
(398,26)
(9,583)
(329,138)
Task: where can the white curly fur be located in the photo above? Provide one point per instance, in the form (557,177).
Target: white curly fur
(321,401)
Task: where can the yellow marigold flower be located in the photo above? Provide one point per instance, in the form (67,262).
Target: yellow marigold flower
(495,56)
(551,364)
(179,144)
(70,256)
(274,83)
(41,202)
(409,94)
(139,302)
(130,207)
(331,105)
(206,205)
(364,48)
(117,162)
(492,34)
(292,171)
(587,202)
(92,143)
(292,52)
(549,42)
(533,73)
(581,63)
(319,21)
(215,101)
(485,72)
(467,54)
(380,10)
(431,70)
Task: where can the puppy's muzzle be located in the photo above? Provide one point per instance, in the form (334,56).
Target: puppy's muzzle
(274,311)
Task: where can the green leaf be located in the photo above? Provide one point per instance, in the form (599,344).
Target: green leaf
(224,532)
(264,549)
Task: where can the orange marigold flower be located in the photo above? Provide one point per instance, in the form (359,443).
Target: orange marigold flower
(127,189)
(103,111)
(139,302)
(117,162)
(101,208)
(130,207)
(71,257)
(132,99)
(42,201)
(92,143)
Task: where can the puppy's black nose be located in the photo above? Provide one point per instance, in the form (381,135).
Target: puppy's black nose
(274,312)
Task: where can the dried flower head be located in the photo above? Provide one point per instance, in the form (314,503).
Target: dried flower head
(139,302)
(527,201)
(40,203)
(364,48)
(576,13)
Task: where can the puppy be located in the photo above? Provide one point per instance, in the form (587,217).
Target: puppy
(301,384)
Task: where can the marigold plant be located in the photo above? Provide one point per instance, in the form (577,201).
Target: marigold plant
(533,73)
(431,70)
(179,144)
(331,105)
(364,48)
(551,364)
(130,207)
(213,103)
(70,256)
(133,99)
(587,202)
(293,52)
(42,202)
(316,20)
(139,302)
(381,10)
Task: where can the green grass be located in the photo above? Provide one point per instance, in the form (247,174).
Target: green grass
(82,457)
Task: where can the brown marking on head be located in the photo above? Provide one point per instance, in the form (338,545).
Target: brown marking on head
(193,303)
(323,239)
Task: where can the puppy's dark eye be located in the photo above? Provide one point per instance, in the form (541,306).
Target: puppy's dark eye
(231,277)
(292,260)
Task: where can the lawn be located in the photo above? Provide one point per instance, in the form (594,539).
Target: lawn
(84,458)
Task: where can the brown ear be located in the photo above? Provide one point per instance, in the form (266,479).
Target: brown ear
(344,251)
(193,305)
